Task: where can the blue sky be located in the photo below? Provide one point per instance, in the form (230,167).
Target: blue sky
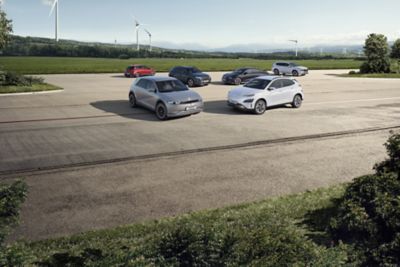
(211,23)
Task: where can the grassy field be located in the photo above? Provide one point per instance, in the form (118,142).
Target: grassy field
(54,65)
(372,75)
(283,231)
(39,87)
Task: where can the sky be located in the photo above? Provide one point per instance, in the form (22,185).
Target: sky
(210,24)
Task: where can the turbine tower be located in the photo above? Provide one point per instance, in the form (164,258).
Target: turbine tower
(149,33)
(137,28)
(55,7)
(296,42)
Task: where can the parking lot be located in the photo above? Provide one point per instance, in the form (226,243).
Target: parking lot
(92,162)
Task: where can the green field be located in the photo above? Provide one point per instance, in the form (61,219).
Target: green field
(372,75)
(285,231)
(55,65)
(39,87)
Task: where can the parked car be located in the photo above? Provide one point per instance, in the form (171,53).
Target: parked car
(167,97)
(242,75)
(266,91)
(289,68)
(139,71)
(191,76)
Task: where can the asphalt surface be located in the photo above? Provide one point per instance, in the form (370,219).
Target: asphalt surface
(92,162)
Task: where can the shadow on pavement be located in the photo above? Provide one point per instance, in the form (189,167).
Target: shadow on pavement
(123,109)
(221,107)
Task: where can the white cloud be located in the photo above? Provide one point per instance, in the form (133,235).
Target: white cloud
(47,2)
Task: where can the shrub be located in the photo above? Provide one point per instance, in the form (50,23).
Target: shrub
(8,78)
(376,50)
(368,214)
(123,56)
(352,72)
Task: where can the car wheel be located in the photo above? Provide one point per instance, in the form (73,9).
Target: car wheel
(238,81)
(295,73)
(190,82)
(260,107)
(276,71)
(132,100)
(161,111)
(297,101)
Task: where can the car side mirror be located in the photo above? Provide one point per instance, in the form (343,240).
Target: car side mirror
(271,89)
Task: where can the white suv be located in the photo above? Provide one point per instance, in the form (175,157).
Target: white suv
(266,91)
(289,68)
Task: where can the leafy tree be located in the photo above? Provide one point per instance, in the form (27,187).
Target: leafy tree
(396,53)
(5,29)
(376,50)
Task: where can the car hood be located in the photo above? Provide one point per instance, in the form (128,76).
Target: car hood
(241,91)
(201,75)
(301,68)
(180,96)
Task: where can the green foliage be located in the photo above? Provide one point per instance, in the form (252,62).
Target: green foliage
(369,212)
(376,50)
(11,198)
(396,53)
(5,29)
(267,233)
(8,78)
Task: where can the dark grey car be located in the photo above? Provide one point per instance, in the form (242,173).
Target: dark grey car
(168,97)
(191,76)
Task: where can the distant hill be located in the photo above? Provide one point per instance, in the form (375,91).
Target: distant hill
(38,46)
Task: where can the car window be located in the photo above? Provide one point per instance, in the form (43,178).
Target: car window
(287,82)
(257,84)
(171,86)
(142,83)
(150,86)
(277,84)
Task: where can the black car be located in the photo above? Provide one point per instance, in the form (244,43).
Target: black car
(191,76)
(242,75)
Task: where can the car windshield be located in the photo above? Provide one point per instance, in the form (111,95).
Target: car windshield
(171,86)
(239,70)
(257,84)
(194,70)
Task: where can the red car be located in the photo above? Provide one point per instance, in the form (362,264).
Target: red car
(138,71)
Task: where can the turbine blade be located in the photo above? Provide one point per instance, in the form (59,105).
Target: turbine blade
(52,7)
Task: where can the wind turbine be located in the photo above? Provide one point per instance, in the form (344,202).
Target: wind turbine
(296,42)
(149,33)
(137,27)
(55,6)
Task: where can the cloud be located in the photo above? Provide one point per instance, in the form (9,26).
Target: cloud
(47,2)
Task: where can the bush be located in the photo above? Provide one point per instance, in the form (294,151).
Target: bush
(352,72)
(368,214)
(376,50)
(123,56)
(8,78)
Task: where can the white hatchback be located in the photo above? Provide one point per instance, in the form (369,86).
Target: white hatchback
(266,91)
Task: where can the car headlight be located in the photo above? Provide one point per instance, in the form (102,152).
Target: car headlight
(250,95)
(173,102)
(248,100)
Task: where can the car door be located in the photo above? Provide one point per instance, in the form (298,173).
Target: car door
(275,93)
(140,91)
(151,94)
(288,89)
(285,68)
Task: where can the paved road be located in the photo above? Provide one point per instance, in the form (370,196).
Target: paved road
(93,162)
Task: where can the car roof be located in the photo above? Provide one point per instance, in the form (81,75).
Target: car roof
(158,78)
(273,77)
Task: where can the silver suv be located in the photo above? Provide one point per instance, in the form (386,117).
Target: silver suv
(168,97)
(289,68)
